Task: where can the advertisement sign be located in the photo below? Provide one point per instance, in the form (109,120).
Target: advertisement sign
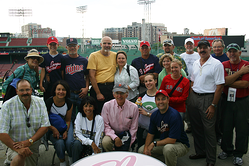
(215,32)
(208,38)
(129,41)
(96,41)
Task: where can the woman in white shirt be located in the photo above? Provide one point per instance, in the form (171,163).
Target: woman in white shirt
(122,75)
(86,120)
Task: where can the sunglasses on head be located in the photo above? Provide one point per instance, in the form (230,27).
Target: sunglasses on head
(233,45)
(27,122)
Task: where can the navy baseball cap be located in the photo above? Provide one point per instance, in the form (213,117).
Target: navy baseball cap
(203,42)
(72,41)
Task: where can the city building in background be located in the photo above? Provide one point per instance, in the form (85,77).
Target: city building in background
(143,31)
(34,30)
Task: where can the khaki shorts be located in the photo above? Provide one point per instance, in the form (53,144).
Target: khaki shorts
(29,161)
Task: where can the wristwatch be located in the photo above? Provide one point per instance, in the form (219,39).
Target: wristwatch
(155,143)
(31,141)
(148,114)
(214,105)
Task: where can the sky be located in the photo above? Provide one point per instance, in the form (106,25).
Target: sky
(61,15)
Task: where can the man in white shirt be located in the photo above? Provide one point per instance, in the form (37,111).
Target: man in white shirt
(207,84)
(189,57)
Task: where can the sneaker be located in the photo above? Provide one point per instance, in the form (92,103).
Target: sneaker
(237,161)
(70,161)
(219,141)
(223,155)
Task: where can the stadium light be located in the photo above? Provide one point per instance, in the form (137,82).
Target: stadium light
(82,10)
(20,12)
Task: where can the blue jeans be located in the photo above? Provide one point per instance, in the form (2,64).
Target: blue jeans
(76,100)
(61,145)
(77,150)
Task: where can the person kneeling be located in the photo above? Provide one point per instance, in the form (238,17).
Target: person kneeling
(165,124)
(89,130)
(121,120)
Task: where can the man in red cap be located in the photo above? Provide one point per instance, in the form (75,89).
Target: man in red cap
(51,65)
(147,63)
(165,124)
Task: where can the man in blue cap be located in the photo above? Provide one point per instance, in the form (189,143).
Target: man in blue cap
(74,71)
(206,87)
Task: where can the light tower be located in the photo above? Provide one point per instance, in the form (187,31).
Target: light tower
(20,13)
(146,25)
(147,8)
(82,10)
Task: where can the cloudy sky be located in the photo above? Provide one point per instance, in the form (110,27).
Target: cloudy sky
(61,15)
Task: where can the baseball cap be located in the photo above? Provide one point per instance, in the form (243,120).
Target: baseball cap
(72,41)
(168,41)
(119,87)
(52,39)
(189,40)
(144,43)
(162,92)
(234,46)
(203,42)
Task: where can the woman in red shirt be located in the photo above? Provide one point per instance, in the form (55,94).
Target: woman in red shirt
(180,94)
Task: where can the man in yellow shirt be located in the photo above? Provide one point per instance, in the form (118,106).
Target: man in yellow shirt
(102,68)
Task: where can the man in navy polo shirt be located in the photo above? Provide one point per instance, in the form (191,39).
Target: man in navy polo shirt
(166,134)
(147,63)
(51,65)
(74,71)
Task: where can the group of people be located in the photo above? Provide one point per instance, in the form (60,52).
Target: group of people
(144,103)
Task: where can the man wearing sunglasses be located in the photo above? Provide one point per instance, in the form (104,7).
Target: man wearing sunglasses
(24,120)
(168,47)
(236,103)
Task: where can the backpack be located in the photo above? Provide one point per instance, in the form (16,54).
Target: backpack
(128,70)
(11,88)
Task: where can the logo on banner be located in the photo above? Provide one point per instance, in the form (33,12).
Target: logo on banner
(53,66)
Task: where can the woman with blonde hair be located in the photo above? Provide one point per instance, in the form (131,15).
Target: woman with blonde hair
(165,61)
(177,87)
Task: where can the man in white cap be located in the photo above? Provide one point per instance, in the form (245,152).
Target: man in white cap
(189,57)
(121,120)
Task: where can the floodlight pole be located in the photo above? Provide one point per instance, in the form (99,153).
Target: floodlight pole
(82,10)
(147,8)
(20,13)
(147,15)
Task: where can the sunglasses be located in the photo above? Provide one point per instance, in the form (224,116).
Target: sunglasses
(37,58)
(27,122)
(233,45)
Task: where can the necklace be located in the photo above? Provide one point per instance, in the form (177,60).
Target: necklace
(151,94)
